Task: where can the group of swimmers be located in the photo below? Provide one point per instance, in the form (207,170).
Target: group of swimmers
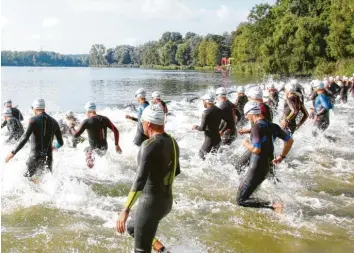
(158,157)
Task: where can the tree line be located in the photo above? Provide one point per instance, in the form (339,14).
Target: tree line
(171,49)
(42,58)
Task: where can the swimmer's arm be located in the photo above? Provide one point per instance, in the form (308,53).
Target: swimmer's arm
(178,169)
(81,129)
(253,147)
(24,138)
(202,125)
(326,103)
(305,114)
(4,124)
(114,130)
(20,116)
(138,185)
(59,137)
(293,110)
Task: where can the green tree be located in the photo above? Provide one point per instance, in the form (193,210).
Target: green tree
(183,55)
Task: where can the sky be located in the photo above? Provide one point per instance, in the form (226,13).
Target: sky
(73,26)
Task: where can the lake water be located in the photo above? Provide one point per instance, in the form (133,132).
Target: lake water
(74,209)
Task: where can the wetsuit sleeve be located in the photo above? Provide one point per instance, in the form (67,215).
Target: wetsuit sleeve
(203,124)
(24,137)
(111,126)
(59,136)
(178,169)
(4,124)
(256,137)
(278,132)
(81,129)
(142,174)
(305,114)
(326,105)
(134,119)
(20,115)
(293,110)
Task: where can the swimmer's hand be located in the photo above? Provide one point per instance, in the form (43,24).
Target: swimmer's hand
(120,225)
(244,131)
(9,157)
(128,116)
(283,123)
(194,127)
(118,149)
(278,160)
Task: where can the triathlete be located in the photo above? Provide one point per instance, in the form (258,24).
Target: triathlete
(292,107)
(273,96)
(41,128)
(14,126)
(96,126)
(261,146)
(322,107)
(332,89)
(15,112)
(227,129)
(240,102)
(156,99)
(140,95)
(158,165)
(210,123)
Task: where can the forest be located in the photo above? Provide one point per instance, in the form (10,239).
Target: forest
(310,37)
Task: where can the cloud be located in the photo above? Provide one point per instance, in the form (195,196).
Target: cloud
(223,13)
(50,22)
(137,9)
(35,36)
(3,22)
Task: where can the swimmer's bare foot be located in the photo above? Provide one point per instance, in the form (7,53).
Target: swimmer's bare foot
(278,208)
(158,247)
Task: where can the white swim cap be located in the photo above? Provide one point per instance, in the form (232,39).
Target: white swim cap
(7,112)
(8,102)
(154,114)
(156,94)
(141,93)
(209,98)
(252,107)
(38,104)
(345,78)
(221,91)
(241,89)
(256,93)
(90,106)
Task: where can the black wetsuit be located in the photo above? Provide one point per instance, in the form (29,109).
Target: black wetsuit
(15,129)
(42,128)
(273,98)
(65,128)
(96,127)
(344,92)
(333,90)
(292,107)
(263,134)
(140,137)
(16,114)
(240,103)
(158,164)
(211,121)
(228,126)
(322,107)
